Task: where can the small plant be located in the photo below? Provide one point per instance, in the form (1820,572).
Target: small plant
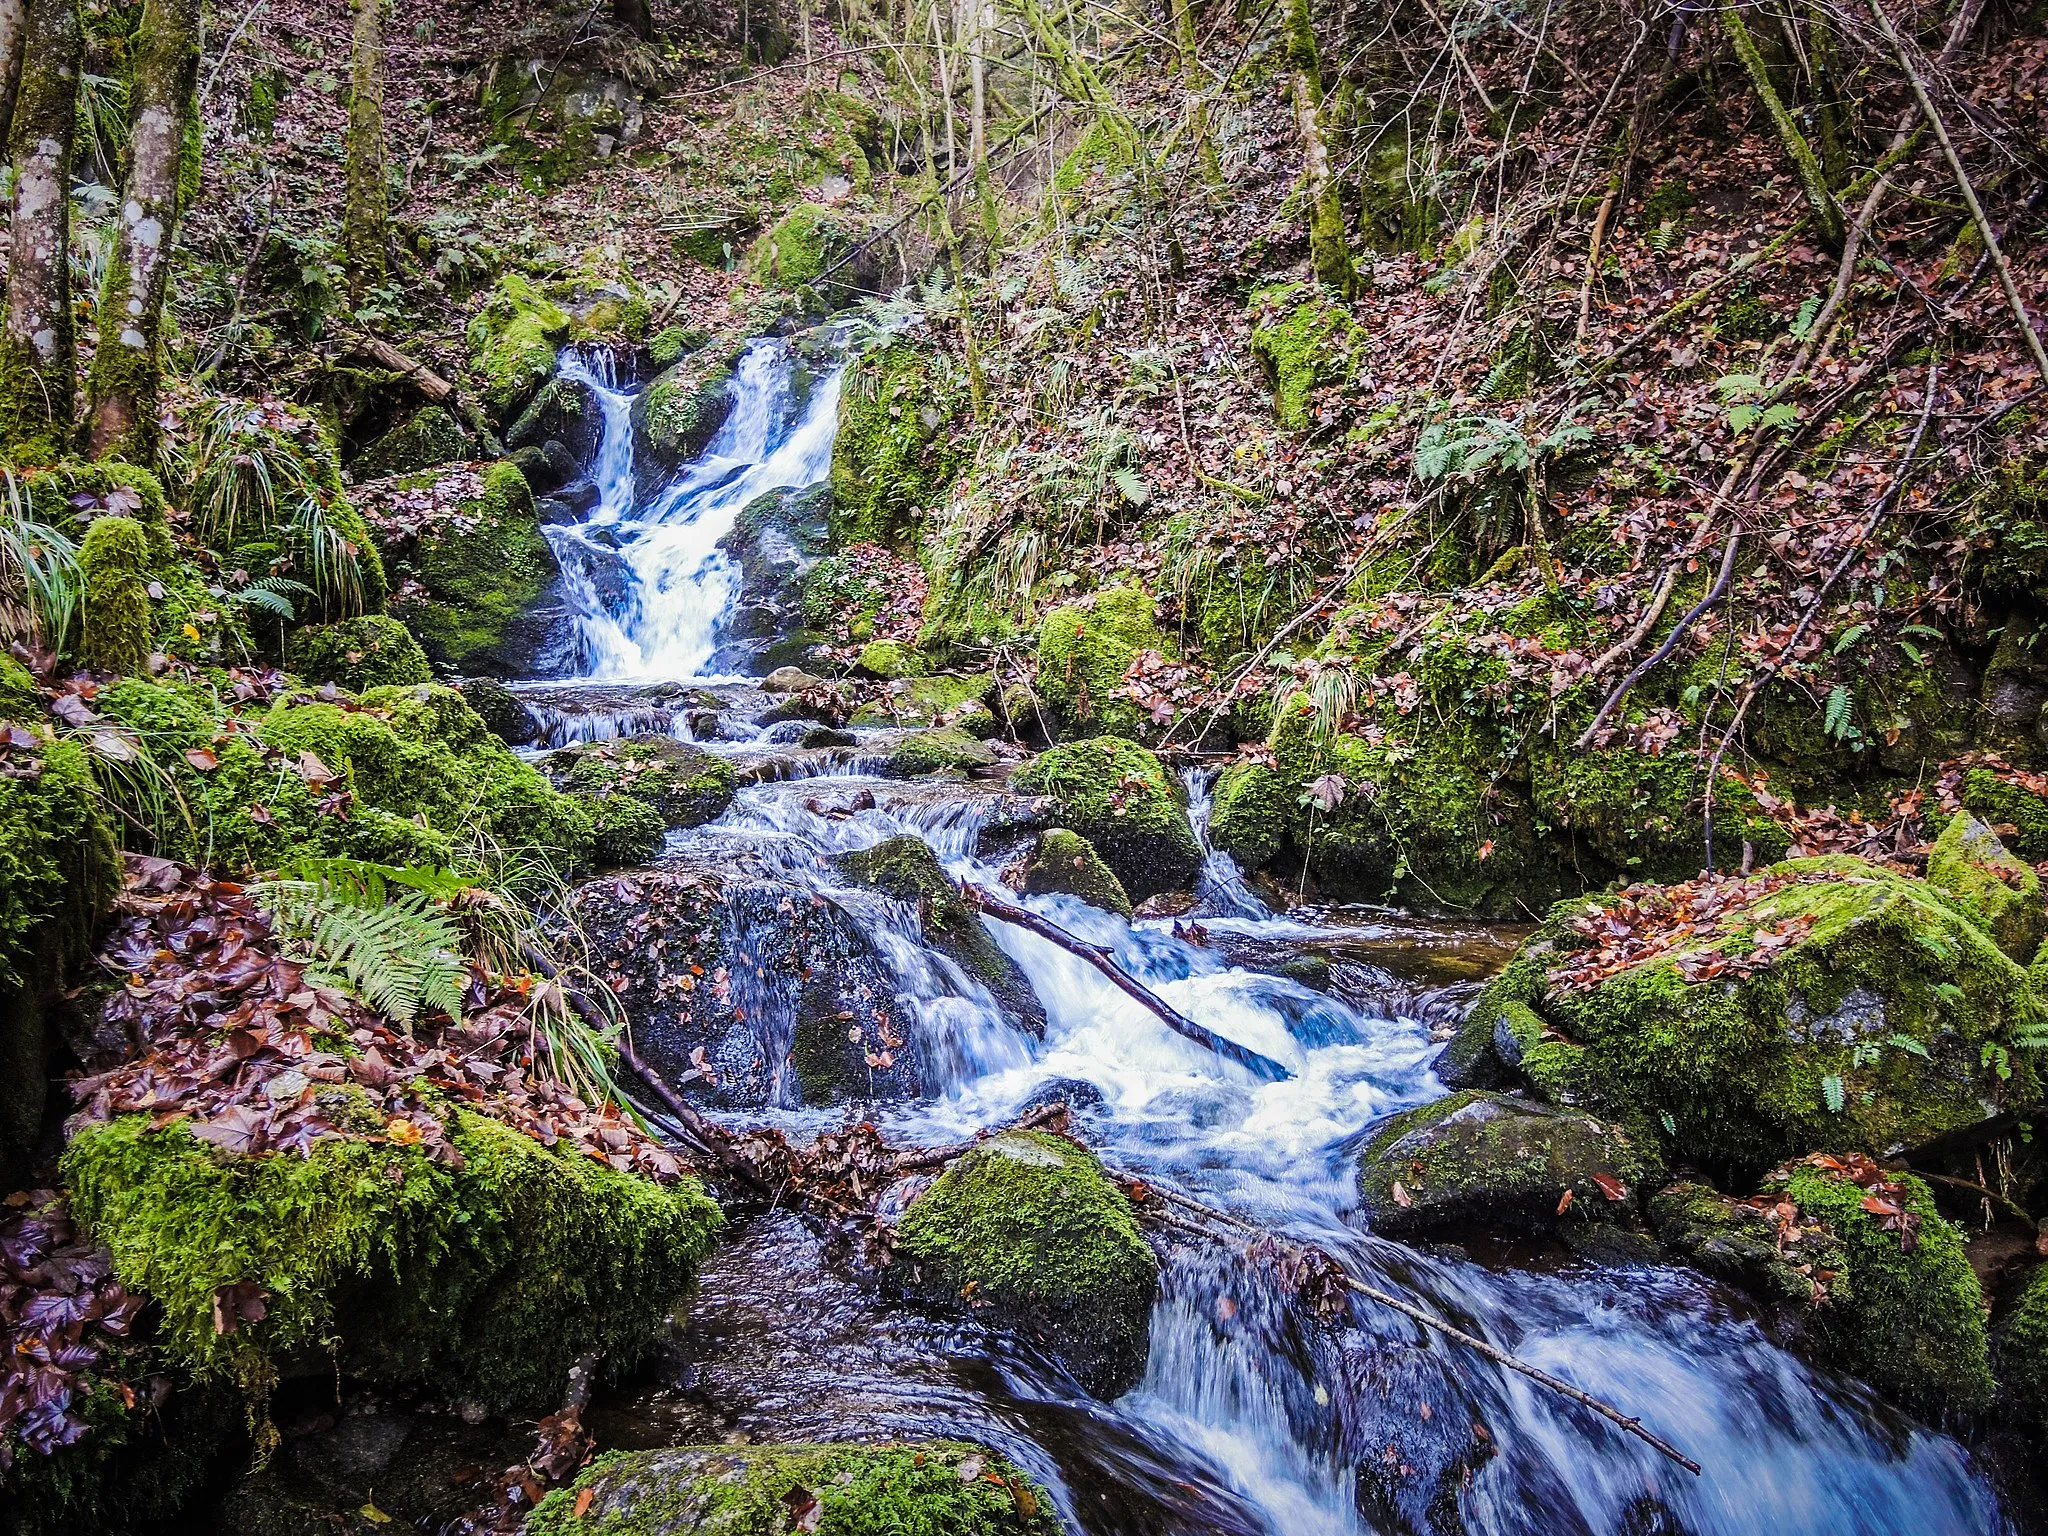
(41,586)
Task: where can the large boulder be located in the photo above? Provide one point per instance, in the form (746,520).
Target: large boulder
(1085,650)
(1028,1227)
(1064,863)
(1823,1002)
(1495,1161)
(944,1487)
(1970,863)
(1121,798)
(677,415)
(513,339)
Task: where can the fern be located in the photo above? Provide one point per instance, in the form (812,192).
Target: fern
(1836,721)
(401,957)
(1831,1089)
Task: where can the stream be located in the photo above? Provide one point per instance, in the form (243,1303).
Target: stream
(1252,1417)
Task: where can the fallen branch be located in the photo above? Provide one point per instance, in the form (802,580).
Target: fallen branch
(1312,1264)
(1259,1066)
(429,383)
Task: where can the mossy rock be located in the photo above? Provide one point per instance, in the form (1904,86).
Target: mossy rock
(942,700)
(500,710)
(372,651)
(1911,1320)
(685,785)
(513,339)
(1084,651)
(906,869)
(1121,798)
(1734,1241)
(678,414)
(2003,802)
(914,1488)
(799,252)
(113,563)
(1064,863)
(20,698)
(889,659)
(480,574)
(1047,1244)
(891,456)
(625,830)
(1879,1021)
(668,346)
(59,874)
(1495,1161)
(427,438)
(1971,864)
(488,1279)
(2020,1351)
(913,754)
(1303,342)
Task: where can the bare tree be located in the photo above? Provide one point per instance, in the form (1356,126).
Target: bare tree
(127,366)
(365,211)
(37,373)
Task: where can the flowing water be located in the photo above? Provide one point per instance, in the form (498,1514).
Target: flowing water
(1251,1417)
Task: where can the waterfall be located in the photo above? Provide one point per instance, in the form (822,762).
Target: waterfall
(643,573)
(1219,888)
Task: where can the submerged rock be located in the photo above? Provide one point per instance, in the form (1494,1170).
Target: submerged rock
(1121,798)
(1477,1159)
(1028,1227)
(943,1487)
(1065,863)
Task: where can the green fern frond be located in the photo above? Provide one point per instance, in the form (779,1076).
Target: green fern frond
(402,958)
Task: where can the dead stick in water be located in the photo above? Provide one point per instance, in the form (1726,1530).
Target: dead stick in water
(1501,1357)
(1259,1066)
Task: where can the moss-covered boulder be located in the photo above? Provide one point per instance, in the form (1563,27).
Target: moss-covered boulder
(2020,1351)
(489,1278)
(624,829)
(940,700)
(1828,1002)
(679,413)
(1970,863)
(1776,1255)
(777,539)
(1910,1318)
(892,455)
(1487,1160)
(685,785)
(427,438)
(59,874)
(113,563)
(812,252)
(912,754)
(372,651)
(1029,1227)
(917,1488)
(500,710)
(1064,863)
(1303,342)
(1121,798)
(2005,798)
(475,578)
(906,869)
(513,339)
(1084,652)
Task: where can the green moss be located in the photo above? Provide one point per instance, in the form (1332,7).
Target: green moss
(906,869)
(20,698)
(490,1278)
(2004,803)
(1486,1158)
(1911,1322)
(1066,863)
(889,658)
(427,438)
(678,414)
(1891,1001)
(668,345)
(1640,816)
(1302,346)
(114,563)
(945,749)
(892,456)
(921,1488)
(940,700)
(1971,864)
(794,253)
(2020,1346)
(1734,1241)
(1121,798)
(1084,652)
(478,576)
(512,342)
(1031,1223)
(685,785)
(1251,814)
(625,829)
(367,652)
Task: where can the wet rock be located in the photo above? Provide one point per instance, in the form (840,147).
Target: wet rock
(913,754)
(1121,798)
(500,709)
(1078,1096)
(1497,1161)
(1065,863)
(777,539)
(906,869)
(960,702)
(791,680)
(2020,1351)
(679,413)
(939,1486)
(1766,1251)
(562,412)
(578,495)
(1971,864)
(826,736)
(1048,1245)
(686,785)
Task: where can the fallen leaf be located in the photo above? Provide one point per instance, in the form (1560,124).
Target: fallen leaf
(583,1502)
(1565,1204)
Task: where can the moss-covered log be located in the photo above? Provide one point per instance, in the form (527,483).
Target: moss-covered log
(38,375)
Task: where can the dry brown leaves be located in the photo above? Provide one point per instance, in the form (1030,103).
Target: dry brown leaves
(1649,922)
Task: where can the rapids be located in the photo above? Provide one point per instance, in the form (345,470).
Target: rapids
(1251,1417)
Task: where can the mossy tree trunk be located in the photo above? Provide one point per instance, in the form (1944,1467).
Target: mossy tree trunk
(1328,250)
(127,365)
(1188,45)
(1813,181)
(13,32)
(38,376)
(365,213)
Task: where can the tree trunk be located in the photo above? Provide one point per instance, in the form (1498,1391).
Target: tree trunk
(636,17)
(127,366)
(1188,45)
(13,32)
(365,212)
(37,369)
(1827,213)
(1328,251)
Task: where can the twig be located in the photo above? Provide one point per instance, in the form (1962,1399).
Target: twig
(1259,1066)
(1678,631)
